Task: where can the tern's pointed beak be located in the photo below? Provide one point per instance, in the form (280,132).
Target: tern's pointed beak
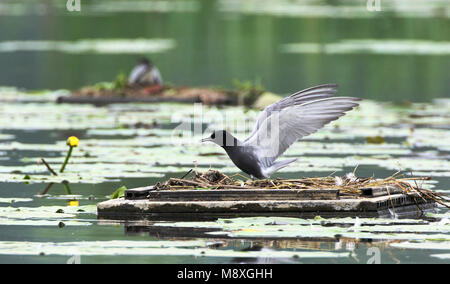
(206,140)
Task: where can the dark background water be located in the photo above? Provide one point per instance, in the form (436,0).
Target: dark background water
(214,47)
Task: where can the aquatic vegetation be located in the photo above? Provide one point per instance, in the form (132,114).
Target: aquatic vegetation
(86,178)
(15,200)
(45,215)
(72,142)
(120,192)
(399,47)
(48,211)
(55,223)
(337,9)
(143,6)
(359,228)
(99,8)
(248,91)
(6,137)
(443,245)
(13,95)
(122,143)
(175,248)
(132,46)
(135,151)
(436,138)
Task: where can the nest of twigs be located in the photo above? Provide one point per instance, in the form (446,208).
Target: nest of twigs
(347,185)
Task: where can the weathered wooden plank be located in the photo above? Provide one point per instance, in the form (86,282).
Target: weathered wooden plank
(138,193)
(126,208)
(382,190)
(243,194)
(252,194)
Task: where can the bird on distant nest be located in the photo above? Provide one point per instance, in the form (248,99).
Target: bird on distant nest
(145,73)
(279,126)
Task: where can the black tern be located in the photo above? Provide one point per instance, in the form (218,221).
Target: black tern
(280,125)
(145,74)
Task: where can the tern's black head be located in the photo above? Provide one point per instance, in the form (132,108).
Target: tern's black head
(222,138)
(146,62)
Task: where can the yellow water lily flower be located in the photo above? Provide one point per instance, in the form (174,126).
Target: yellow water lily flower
(72,141)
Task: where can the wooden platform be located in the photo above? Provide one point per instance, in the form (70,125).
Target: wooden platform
(151,94)
(146,203)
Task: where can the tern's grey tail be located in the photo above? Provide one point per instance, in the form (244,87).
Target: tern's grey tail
(279,165)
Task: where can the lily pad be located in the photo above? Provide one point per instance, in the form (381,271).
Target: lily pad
(166,248)
(396,47)
(91,46)
(359,228)
(342,9)
(444,245)
(15,200)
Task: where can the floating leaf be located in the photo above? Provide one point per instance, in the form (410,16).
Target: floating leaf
(91,46)
(120,192)
(14,200)
(375,140)
(165,248)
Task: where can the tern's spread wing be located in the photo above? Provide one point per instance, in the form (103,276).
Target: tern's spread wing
(157,79)
(298,98)
(284,127)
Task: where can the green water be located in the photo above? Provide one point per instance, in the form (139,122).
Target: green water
(212,43)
